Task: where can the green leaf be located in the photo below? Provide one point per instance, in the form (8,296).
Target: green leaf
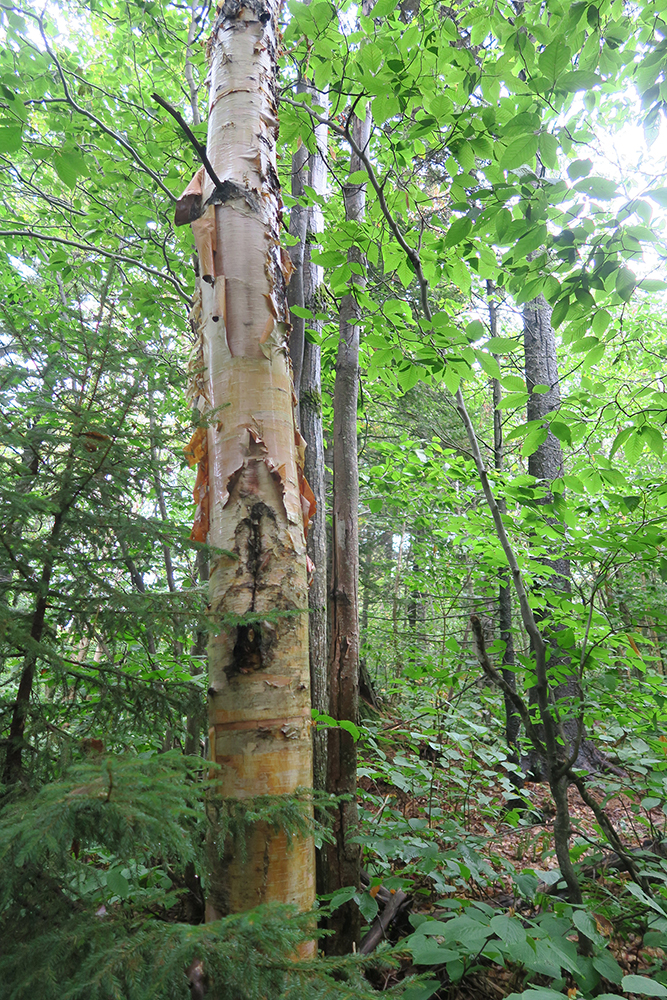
(584,922)
(530,242)
(475,330)
(654,439)
(536,993)
(597,187)
(601,321)
(425,951)
(659,195)
(608,967)
(512,400)
(561,431)
(407,378)
(502,345)
(300,311)
(579,168)
(625,283)
(117,884)
(421,991)
(509,929)
(458,231)
(350,728)
(620,440)
(579,79)
(560,312)
(518,152)
(513,382)
(69,165)
(368,907)
(644,986)
(342,896)
(533,441)
(489,364)
(633,446)
(549,146)
(651,802)
(451,378)
(375,505)
(383,8)
(357,177)
(585,344)
(555,57)
(10,138)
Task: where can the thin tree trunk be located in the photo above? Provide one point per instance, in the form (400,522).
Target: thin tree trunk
(546,464)
(398,662)
(189,68)
(15,743)
(251,485)
(307,223)
(512,719)
(343,856)
(298,227)
(311,425)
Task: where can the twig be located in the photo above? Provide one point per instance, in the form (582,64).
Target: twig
(199,149)
(32,234)
(516,699)
(93,118)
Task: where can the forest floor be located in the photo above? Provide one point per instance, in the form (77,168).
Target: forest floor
(524,842)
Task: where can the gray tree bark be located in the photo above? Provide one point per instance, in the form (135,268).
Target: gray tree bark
(546,464)
(512,720)
(343,857)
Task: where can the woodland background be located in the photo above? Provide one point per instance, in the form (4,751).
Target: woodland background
(514,183)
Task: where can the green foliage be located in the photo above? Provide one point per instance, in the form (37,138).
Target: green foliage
(93,892)
(100,595)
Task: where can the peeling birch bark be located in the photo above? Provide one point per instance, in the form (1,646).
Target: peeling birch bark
(259,503)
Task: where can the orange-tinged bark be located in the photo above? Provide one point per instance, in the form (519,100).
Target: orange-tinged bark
(258,500)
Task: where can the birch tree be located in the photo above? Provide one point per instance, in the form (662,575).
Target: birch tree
(253,501)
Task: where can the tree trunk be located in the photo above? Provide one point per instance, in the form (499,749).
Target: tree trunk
(512,720)
(13,766)
(254,503)
(308,224)
(343,857)
(546,464)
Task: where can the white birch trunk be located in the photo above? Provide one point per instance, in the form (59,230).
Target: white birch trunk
(254,503)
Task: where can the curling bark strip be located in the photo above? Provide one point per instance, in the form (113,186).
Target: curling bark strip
(258,500)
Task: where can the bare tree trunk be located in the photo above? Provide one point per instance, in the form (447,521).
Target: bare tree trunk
(512,719)
(15,744)
(251,483)
(343,857)
(307,223)
(546,464)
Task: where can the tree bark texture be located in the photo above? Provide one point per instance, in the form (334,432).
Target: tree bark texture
(343,857)
(13,765)
(254,502)
(307,222)
(546,464)
(512,719)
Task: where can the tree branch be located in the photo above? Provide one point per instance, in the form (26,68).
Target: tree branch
(199,149)
(93,118)
(32,234)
